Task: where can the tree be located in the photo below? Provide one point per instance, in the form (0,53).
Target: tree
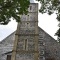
(50,7)
(12,8)
(15,8)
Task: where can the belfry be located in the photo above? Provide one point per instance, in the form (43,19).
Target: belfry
(26,37)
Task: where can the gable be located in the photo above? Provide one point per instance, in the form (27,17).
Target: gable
(8,42)
(50,44)
(9,39)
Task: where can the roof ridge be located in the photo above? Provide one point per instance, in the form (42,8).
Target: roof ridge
(7,37)
(47,33)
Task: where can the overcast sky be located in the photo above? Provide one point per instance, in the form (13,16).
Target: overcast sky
(46,22)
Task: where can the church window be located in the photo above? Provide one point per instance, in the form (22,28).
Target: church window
(8,57)
(30,7)
(25,44)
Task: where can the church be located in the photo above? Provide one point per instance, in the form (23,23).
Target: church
(48,46)
(29,41)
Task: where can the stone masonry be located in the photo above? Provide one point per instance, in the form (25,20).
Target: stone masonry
(48,46)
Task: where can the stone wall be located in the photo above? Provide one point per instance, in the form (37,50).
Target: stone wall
(6,45)
(48,46)
(51,46)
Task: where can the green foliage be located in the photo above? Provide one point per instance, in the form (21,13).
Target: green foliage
(49,7)
(15,8)
(12,8)
(58,34)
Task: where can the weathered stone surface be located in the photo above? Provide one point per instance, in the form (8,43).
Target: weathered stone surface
(51,46)
(26,39)
(6,45)
(48,46)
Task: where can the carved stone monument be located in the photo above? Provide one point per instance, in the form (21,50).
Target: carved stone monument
(26,38)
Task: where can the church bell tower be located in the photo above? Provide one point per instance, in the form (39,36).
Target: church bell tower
(26,37)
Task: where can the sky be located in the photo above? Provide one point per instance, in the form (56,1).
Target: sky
(47,22)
